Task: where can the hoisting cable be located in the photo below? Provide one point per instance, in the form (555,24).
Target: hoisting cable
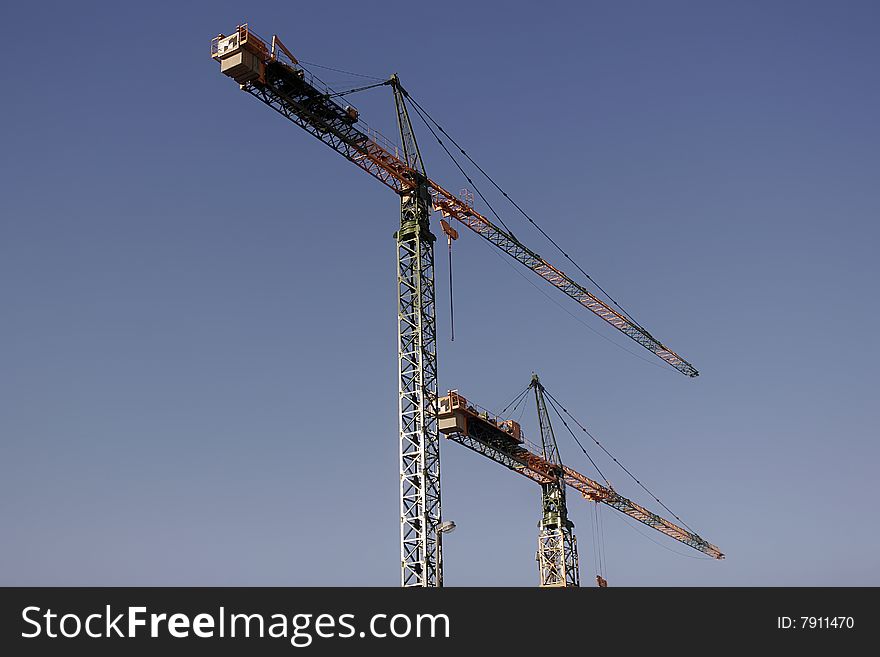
(451,234)
(602,556)
(451,302)
(594,526)
(527,216)
(611,456)
(457,165)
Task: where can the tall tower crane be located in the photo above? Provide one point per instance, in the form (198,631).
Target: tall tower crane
(267,70)
(502,441)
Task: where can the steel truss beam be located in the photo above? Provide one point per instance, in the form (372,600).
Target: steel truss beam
(417,365)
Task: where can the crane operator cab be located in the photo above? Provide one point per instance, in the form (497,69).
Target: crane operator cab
(455,413)
(242,55)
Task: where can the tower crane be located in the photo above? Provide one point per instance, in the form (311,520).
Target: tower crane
(267,70)
(502,441)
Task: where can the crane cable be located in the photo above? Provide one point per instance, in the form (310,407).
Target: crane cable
(600,563)
(553,406)
(339,70)
(521,410)
(516,400)
(603,563)
(339,94)
(418,111)
(451,299)
(595,534)
(611,456)
(526,215)
(602,533)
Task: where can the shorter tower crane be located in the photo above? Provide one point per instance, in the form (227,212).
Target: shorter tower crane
(502,441)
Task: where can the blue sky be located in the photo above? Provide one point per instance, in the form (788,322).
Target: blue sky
(199,316)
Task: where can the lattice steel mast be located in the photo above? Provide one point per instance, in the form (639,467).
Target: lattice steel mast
(557,555)
(417,369)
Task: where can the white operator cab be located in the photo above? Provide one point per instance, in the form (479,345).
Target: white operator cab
(454,414)
(242,55)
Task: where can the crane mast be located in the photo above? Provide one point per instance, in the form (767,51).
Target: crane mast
(417,370)
(557,555)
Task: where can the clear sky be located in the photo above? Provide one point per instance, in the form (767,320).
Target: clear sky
(199,355)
